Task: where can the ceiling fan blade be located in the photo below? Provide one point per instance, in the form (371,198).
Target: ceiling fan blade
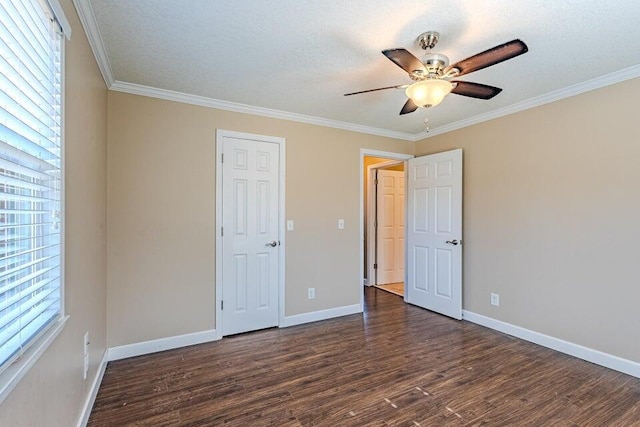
(489,57)
(405,60)
(373,90)
(409,107)
(475,90)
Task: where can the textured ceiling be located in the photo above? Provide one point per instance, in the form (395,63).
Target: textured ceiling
(301,56)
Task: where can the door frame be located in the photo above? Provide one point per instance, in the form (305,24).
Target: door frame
(392,157)
(372,215)
(220,134)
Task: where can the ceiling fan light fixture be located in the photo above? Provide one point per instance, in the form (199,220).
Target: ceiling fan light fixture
(429,93)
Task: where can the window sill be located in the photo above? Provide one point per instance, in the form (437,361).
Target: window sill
(10,377)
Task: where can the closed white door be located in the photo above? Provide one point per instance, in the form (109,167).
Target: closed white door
(250,241)
(434,233)
(390,227)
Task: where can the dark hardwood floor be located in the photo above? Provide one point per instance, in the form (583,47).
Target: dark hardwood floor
(396,365)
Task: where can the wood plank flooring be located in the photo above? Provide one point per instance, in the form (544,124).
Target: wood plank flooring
(394,288)
(396,365)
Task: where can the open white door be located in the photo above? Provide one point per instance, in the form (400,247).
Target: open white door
(434,233)
(390,227)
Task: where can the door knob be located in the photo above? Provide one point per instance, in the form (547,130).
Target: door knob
(452,242)
(273,244)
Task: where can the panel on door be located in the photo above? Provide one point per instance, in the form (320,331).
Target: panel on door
(434,232)
(250,258)
(390,227)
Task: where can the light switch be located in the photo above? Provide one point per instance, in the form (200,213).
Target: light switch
(341,224)
(290,225)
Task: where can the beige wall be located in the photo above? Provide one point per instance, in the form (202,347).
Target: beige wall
(53,391)
(397,168)
(551,209)
(161,192)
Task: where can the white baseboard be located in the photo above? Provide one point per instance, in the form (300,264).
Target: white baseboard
(169,343)
(590,355)
(93,392)
(162,344)
(315,316)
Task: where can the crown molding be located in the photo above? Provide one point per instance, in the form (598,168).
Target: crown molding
(185,98)
(88,20)
(589,85)
(90,25)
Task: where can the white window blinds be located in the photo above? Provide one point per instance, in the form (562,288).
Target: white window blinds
(30,174)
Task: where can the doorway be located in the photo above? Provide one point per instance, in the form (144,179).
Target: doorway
(370,161)
(386,215)
(433,232)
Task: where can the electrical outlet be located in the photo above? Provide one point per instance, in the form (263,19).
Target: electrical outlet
(341,224)
(290,225)
(312,293)
(85,354)
(495,299)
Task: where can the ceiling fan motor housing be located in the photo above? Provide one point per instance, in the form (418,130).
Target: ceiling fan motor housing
(435,63)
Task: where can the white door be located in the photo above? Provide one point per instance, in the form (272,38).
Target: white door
(434,233)
(390,227)
(250,242)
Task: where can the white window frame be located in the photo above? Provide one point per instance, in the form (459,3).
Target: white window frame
(12,374)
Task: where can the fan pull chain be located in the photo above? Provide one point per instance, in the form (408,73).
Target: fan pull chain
(426,123)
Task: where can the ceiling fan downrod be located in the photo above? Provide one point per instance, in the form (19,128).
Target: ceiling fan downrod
(435,63)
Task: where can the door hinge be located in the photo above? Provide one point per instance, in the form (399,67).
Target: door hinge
(222,231)
(222,158)
(375,266)
(376,181)
(221,305)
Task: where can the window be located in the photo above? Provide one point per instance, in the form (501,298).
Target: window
(30,174)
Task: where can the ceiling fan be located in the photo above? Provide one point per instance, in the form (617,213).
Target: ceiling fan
(432,75)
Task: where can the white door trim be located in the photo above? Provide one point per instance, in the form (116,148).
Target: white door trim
(374,153)
(370,232)
(220,133)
